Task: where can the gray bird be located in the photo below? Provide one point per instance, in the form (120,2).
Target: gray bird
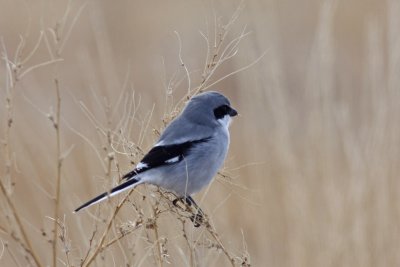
(188,153)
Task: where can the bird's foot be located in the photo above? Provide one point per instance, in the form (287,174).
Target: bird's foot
(182,200)
(197,219)
(197,216)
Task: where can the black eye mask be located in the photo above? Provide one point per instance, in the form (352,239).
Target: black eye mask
(223,110)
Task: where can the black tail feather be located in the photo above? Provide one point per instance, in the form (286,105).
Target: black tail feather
(105,195)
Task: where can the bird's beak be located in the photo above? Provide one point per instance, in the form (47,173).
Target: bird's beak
(232,112)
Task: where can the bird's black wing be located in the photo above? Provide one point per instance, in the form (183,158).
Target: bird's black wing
(157,156)
(164,155)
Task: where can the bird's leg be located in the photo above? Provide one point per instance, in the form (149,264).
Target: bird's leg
(184,201)
(175,201)
(198,217)
(190,201)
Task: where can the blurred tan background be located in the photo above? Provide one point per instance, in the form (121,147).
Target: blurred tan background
(314,154)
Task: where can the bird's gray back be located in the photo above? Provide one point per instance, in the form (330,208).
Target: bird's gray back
(197,168)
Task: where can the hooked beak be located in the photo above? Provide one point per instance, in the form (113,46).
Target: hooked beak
(232,112)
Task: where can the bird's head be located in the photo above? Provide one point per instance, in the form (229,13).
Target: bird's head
(210,108)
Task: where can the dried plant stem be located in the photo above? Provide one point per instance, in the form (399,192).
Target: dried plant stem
(9,120)
(182,62)
(186,238)
(14,259)
(56,124)
(21,228)
(158,247)
(158,244)
(99,247)
(3,229)
(214,234)
(217,54)
(111,242)
(202,87)
(39,65)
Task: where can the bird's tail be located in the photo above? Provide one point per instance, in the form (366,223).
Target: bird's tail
(128,184)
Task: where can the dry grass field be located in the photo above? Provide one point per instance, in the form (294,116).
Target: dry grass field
(312,176)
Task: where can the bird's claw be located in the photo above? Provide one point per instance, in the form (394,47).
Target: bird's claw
(197,219)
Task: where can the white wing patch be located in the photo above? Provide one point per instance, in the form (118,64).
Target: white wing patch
(160,143)
(141,165)
(173,160)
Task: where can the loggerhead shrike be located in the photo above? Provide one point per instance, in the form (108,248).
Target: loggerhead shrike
(189,152)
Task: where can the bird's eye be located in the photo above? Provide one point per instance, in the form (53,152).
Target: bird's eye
(221,111)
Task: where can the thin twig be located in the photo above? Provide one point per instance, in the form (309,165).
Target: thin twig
(56,124)
(9,119)
(181,61)
(67,35)
(21,228)
(98,249)
(185,236)
(18,51)
(49,62)
(111,242)
(14,259)
(214,234)
(155,228)
(237,71)
(35,48)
